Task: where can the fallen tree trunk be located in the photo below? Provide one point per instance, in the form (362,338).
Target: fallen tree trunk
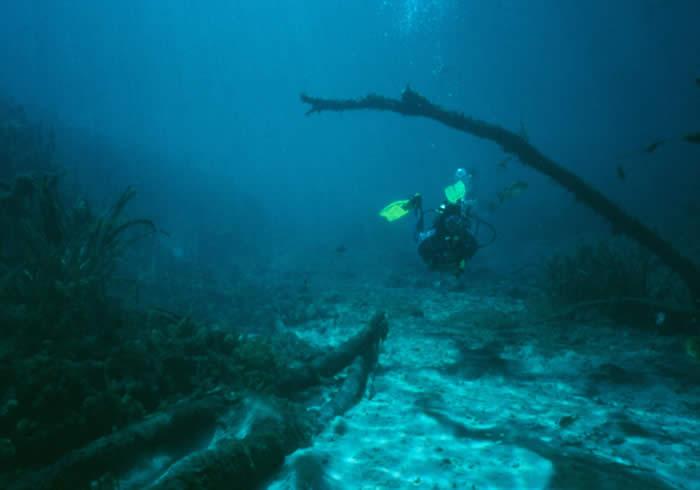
(245,463)
(414,104)
(352,389)
(231,461)
(167,433)
(209,438)
(333,362)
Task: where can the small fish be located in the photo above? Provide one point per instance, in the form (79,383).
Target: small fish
(692,138)
(178,252)
(651,148)
(341,249)
(660,318)
(504,163)
(513,190)
(697,82)
(620,172)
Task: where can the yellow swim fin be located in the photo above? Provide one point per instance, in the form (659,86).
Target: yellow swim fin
(395,210)
(455,192)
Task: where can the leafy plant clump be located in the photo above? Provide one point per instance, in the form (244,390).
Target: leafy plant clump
(79,361)
(56,261)
(614,278)
(62,398)
(75,362)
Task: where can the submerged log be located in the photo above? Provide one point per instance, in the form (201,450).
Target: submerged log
(246,462)
(335,361)
(219,441)
(414,104)
(169,433)
(232,461)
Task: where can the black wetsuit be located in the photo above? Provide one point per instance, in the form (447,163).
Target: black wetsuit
(449,244)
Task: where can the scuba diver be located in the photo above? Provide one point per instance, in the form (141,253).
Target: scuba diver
(452,240)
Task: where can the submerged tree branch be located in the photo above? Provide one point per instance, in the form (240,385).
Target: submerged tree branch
(201,437)
(331,363)
(414,104)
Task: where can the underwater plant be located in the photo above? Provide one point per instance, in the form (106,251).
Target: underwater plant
(614,278)
(91,381)
(83,373)
(56,260)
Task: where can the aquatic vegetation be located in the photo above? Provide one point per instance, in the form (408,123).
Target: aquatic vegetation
(614,278)
(79,366)
(56,260)
(163,391)
(61,398)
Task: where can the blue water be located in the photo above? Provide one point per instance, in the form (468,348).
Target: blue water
(213,92)
(196,105)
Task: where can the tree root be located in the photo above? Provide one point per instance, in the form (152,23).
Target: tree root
(244,463)
(337,360)
(116,453)
(219,441)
